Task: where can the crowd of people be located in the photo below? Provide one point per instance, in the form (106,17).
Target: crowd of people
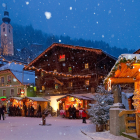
(28,112)
(72,113)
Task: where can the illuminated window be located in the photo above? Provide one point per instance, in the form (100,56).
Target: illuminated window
(69,69)
(70,84)
(43,87)
(87,82)
(55,70)
(86,66)
(62,58)
(4,92)
(56,86)
(42,73)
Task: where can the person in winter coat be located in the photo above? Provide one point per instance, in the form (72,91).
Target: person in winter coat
(70,112)
(84,114)
(39,111)
(2,112)
(74,112)
(29,110)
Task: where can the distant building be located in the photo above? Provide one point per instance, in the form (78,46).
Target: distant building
(7,47)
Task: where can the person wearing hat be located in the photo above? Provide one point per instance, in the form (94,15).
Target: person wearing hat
(84,114)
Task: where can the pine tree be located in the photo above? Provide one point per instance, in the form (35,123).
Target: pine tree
(99,112)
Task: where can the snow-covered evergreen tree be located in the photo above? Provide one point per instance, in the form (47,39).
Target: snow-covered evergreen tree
(99,112)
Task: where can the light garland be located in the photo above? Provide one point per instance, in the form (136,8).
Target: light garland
(58,74)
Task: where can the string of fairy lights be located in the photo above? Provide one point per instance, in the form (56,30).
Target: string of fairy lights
(58,74)
(46,72)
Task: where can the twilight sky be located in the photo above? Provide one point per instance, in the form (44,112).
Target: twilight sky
(116,22)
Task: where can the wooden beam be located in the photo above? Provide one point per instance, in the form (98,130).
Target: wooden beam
(122,80)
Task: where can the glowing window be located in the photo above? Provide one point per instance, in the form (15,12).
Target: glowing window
(87,82)
(70,84)
(56,86)
(86,66)
(69,69)
(62,57)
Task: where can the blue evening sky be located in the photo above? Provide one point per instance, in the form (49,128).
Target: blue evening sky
(116,22)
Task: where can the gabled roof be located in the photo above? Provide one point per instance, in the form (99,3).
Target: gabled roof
(125,70)
(137,52)
(98,51)
(24,77)
(38,99)
(77,96)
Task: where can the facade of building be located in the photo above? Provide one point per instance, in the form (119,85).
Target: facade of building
(14,82)
(65,69)
(7,47)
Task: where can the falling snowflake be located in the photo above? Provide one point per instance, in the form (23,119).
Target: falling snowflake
(112,35)
(93,33)
(48,15)
(109,12)
(98,4)
(27,2)
(70,8)
(97,22)
(3,4)
(59,40)
(94,13)
(103,36)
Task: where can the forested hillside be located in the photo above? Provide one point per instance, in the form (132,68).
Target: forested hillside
(24,36)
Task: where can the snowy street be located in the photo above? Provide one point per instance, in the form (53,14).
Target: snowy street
(21,128)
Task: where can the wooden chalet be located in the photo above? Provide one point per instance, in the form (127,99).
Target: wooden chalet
(127,71)
(64,69)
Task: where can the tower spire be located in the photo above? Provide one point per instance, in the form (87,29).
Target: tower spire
(6,18)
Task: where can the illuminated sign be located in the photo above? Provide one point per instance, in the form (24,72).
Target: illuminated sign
(62,57)
(3,98)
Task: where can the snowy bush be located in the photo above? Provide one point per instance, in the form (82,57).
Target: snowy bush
(99,112)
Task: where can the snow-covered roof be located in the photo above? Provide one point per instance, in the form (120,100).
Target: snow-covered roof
(25,77)
(17,98)
(127,57)
(128,95)
(77,96)
(38,99)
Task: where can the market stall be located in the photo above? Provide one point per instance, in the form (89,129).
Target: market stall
(35,102)
(28,101)
(78,101)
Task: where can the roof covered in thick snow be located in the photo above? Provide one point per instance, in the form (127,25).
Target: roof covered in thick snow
(25,77)
(79,96)
(38,99)
(125,70)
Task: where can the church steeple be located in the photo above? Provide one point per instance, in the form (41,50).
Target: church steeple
(6,18)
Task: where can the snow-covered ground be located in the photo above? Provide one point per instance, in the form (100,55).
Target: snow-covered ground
(25,128)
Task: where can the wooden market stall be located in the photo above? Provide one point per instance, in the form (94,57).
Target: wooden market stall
(35,102)
(79,101)
(29,101)
(127,71)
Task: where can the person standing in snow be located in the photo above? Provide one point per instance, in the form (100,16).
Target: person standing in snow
(29,110)
(84,114)
(2,112)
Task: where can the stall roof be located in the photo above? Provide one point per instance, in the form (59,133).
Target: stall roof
(79,96)
(125,70)
(37,99)
(17,98)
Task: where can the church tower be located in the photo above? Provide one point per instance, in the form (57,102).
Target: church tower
(7,35)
